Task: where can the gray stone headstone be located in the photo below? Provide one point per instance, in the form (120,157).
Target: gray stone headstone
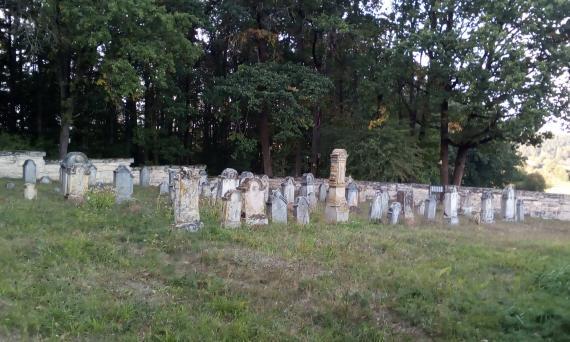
(172,176)
(92,175)
(45,180)
(450,205)
(253,194)
(430,208)
(186,201)
(352,195)
(206,190)
(245,175)
(10,185)
(385,198)
(231,217)
(520,211)
(144,176)
(30,192)
(508,204)
(394,213)
(376,209)
(308,189)
(227,181)
(163,188)
(123,184)
(203,177)
(30,172)
(278,207)
(301,210)
(406,199)
(288,189)
(487,208)
(323,191)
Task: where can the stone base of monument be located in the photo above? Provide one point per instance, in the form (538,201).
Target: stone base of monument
(334,214)
(190,226)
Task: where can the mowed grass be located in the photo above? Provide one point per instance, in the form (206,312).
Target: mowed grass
(106,272)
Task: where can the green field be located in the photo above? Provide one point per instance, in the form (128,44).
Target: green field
(105,272)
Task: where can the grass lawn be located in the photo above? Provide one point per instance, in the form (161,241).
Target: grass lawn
(100,272)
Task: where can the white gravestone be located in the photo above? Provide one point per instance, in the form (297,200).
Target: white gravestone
(288,189)
(487,208)
(163,188)
(508,204)
(520,211)
(123,184)
(253,201)
(231,217)
(92,175)
(187,199)
(376,210)
(323,191)
(30,192)
(394,212)
(144,176)
(278,207)
(450,205)
(245,175)
(228,180)
(352,195)
(385,198)
(406,200)
(301,210)
(430,208)
(30,172)
(308,189)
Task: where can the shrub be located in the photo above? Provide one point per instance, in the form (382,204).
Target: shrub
(100,199)
(532,182)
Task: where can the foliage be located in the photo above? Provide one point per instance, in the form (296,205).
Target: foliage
(100,199)
(532,182)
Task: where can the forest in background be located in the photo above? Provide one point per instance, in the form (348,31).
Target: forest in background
(430,91)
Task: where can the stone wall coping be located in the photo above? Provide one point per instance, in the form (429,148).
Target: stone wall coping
(23,153)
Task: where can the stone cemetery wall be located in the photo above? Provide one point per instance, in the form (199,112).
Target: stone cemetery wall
(12,163)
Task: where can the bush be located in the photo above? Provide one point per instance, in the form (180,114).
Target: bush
(532,182)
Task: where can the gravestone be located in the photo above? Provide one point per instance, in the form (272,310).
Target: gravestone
(172,175)
(336,209)
(163,188)
(74,175)
(487,209)
(92,176)
(278,207)
(430,208)
(30,192)
(361,195)
(203,177)
(123,183)
(265,181)
(232,209)
(144,176)
(214,190)
(228,180)
(253,201)
(421,208)
(466,207)
(308,189)
(394,212)
(376,209)
(520,211)
(30,172)
(301,210)
(206,190)
(450,205)
(406,200)
(245,175)
(323,190)
(45,180)
(186,201)
(288,189)
(385,199)
(508,204)
(352,195)
(10,185)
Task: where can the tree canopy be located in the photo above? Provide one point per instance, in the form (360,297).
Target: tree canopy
(436,91)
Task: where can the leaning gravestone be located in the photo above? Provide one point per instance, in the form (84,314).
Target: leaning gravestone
(288,189)
(352,195)
(376,209)
(232,209)
(336,209)
(520,211)
(508,204)
(301,210)
(487,209)
(394,212)
(308,189)
(30,172)
(145,176)
(323,190)
(228,180)
(253,201)
(278,207)
(430,208)
(123,184)
(406,200)
(30,192)
(92,176)
(187,199)
(450,205)
(74,175)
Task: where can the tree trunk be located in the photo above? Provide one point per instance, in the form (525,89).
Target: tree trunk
(444,144)
(460,160)
(65,104)
(316,142)
(265,143)
(298,159)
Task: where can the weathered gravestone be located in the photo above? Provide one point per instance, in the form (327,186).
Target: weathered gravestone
(144,176)
(172,175)
(30,192)
(430,208)
(206,190)
(30,172)
(45,180)
(10,185)
(336,209)
(466,206)
(406,200)
(520,211)
(308,189)
(228,180)
(487,208)
(74,175)
(361,194)
(288,189)
(394,212)
(301,210)
(323,190)
(278,207)
(352,195)
(253,201)
(92,176)
(508,204)
(376,209)
(245,175)
(163,188)
(203,176)
(265,181)
(385,199)
(214,190)
(232,209)
(450,205)
(123,184)
(186,201)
